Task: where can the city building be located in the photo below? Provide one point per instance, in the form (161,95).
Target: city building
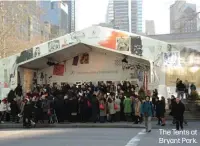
(183,17)
(198,24)
(71,15)
(59,15)
(110,12)
(109,25)
(54,31)
(126,15)
(45,31)
(189,40)
(149,27)
(63,19)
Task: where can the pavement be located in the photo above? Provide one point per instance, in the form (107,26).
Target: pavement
(98,137)
(94,125)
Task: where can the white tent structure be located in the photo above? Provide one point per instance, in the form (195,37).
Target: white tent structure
(93,54)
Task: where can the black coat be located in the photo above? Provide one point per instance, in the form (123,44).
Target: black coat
(28,109)
(158,108)
(14,108)
(173,103)
(83,105)
(178,110)
(180,87)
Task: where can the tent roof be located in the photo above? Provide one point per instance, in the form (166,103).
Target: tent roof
(70,52)
(96,38)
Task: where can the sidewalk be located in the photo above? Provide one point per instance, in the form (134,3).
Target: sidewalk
(97,125)
(77,125)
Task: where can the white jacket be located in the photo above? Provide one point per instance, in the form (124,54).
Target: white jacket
(111,108)
(4,107)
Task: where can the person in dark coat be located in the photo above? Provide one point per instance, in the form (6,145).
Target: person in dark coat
(14,110)
(172,105)
(27,114)
(59,108)
(158,110)
(162,112)
(95,108)
(73,108)
(18,90)
(66,107)
(178,111)
(155,95)
(180,89)
(122,115)
(82,107)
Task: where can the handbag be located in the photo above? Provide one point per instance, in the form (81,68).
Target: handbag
(101,107)
(115,106)
(49,112)
(88,103)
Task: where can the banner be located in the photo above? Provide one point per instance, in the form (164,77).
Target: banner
(84,58)
(123,43)
(136,45)
(25,55)
(59,70)
(75,60)
(171,58)
(53,45)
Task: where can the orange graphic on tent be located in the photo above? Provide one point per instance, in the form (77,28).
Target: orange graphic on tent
(110,42)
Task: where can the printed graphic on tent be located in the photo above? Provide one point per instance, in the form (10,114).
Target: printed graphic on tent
(59,70)
(110,42)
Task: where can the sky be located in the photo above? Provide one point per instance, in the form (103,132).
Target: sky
(89,12)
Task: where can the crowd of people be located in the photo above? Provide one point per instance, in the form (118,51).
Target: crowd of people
(183,88)
(105,102)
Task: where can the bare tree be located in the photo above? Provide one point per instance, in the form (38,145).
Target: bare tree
(15,26)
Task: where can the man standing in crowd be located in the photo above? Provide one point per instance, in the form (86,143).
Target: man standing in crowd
(187,86)
(178,111)
(147,110)
(180,89)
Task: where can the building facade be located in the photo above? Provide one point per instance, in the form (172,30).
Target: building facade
(189,40)
(110,12)
(126,15)
(149,27)
(71,15)
(183,17)
(198,24)
(64,23)
(60,15)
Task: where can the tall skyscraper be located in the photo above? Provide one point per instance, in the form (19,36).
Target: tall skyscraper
(149,27)
(51,12)
(59,14)
(64,23)
(126,14)
(183,17)
(71,15)
(110,12)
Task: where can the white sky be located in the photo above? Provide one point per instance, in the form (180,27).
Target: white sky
(90,12)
